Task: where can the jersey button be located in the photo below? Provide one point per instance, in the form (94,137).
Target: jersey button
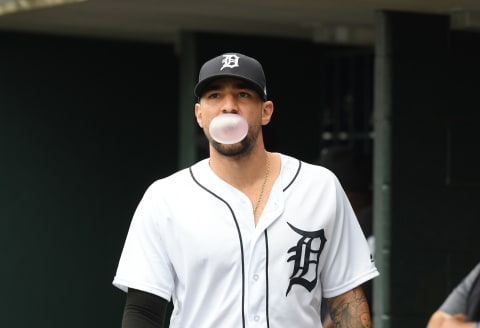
(256,318)
(255,277)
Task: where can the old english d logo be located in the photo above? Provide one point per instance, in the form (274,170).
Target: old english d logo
(305,256)
(230,61)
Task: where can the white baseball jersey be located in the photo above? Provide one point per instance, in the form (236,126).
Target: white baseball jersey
(193,240)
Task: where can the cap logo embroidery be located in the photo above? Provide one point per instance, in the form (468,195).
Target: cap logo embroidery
(230,61)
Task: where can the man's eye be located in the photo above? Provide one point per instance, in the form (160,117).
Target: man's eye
(244,94)
(213,96)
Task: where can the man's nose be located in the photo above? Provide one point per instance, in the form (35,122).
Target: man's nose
(229,105)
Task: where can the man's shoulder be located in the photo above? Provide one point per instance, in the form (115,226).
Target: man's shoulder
(291,162)
(178,180)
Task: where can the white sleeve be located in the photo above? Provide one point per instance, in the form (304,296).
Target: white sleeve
(349,262)
(144,263)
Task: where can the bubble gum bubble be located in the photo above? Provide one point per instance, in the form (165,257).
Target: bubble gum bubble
(228,128)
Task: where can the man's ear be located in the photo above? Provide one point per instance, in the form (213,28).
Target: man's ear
(198,114)
(267,112)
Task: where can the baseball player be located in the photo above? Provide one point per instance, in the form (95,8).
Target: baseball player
(247,237)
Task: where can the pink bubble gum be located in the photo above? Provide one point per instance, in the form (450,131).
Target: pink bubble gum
(228,128)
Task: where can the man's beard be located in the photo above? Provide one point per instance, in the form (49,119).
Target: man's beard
(236,150)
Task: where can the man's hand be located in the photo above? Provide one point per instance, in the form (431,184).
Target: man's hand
(442,319)
(350,310)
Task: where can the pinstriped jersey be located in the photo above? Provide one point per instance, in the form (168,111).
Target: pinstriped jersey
(193,240)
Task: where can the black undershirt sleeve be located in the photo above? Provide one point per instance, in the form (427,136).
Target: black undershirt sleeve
(143,310)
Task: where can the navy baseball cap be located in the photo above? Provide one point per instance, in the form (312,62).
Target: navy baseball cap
(232,65)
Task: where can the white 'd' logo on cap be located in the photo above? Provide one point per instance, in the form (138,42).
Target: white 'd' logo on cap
(230,61)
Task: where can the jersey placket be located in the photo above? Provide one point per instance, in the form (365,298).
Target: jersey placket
(256,262)
(256,284)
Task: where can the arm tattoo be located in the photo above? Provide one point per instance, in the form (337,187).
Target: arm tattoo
(350,310)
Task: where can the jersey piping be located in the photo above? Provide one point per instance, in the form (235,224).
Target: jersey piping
(241,242)
(239,237)
(267,251)
(295,176)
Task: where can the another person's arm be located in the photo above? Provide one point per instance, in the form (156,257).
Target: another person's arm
(441,319)
(452,313)
(350,309)
(143,310)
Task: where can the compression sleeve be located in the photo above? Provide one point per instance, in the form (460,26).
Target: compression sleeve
(143,310)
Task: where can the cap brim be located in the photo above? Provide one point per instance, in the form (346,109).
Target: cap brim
(200,87)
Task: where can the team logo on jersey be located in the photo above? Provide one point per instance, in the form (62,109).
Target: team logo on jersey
(305,257)
(230,61)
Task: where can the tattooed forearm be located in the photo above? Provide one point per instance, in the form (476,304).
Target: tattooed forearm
(350,310)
